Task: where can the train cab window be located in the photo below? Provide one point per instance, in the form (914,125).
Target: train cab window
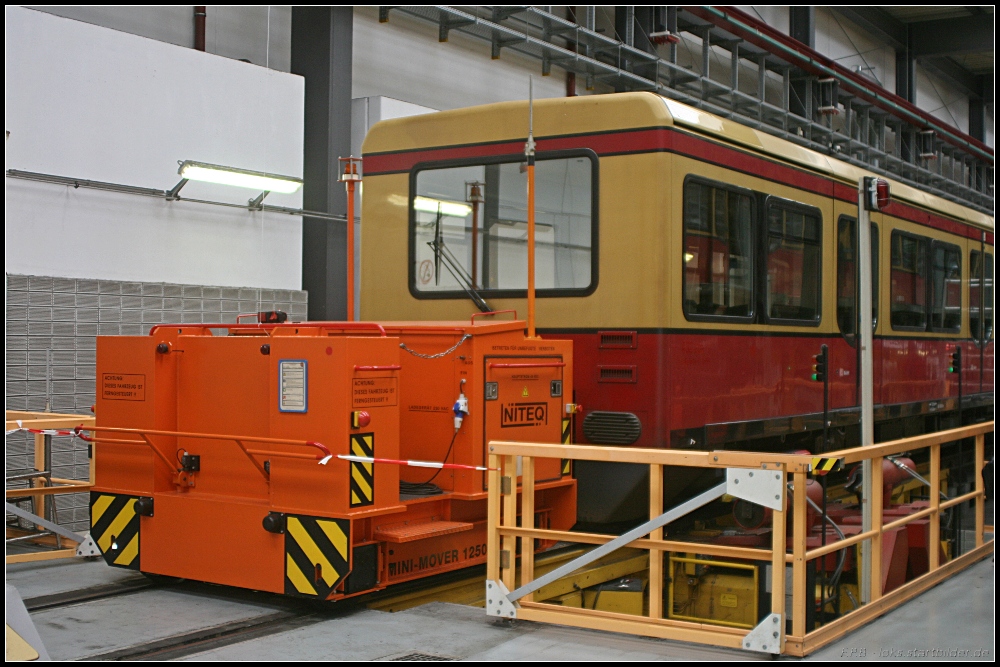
(793,263)
(908,278)
(946,287)
(846,272)
(980,295)
(718,252)
(468,227)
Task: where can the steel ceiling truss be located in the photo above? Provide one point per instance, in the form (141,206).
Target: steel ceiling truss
(880,137)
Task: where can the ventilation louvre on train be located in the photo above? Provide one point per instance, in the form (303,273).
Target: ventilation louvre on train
(616,374)
(612,428)
(617,339)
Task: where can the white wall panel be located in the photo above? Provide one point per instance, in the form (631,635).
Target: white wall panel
(838,39)
(403,59)
(942,101)
(110,106)
(262,35)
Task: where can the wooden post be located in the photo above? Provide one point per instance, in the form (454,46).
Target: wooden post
(655,555)
(799,600)
(875,507)
(493,520)
(778,564)
(38,503)
(509,542)
(980,489)
(527,521)
(934,540)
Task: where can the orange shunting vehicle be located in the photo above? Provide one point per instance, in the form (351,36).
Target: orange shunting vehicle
(320,459)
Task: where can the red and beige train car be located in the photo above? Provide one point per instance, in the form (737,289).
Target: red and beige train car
(696,264)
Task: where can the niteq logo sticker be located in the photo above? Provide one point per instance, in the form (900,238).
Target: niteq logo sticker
(524,414)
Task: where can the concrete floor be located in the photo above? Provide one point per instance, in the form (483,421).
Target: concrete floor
(956,616)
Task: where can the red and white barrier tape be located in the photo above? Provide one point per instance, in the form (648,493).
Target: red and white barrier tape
(415,464)
(40,431)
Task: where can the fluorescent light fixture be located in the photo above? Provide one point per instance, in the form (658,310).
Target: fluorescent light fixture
(244,178)
(450,208)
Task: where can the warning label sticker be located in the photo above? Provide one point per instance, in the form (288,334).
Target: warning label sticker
(123,387)
(293,386)
(374,392)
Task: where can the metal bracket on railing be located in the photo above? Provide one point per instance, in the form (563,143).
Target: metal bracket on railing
(497,603)
(764,487)
(767,636)
(88,548)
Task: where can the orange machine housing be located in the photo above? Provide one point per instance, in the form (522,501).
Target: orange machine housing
(217,448)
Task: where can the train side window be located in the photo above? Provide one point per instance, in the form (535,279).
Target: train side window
(908,279)
(468,226)
(718,252)
(846,272)
(975,294)
(794,266)
(981,327)
(946,287)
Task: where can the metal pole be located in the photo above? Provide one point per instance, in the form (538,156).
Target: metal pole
(475,244)
(821,563)
(350,250)
(529,152)
(865,340)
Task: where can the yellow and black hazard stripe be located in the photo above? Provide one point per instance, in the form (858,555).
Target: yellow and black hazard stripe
(567,435)
(822,465)
(362,474)
(316,555)
(114,527)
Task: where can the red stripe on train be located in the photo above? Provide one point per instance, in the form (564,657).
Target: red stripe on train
(665,139)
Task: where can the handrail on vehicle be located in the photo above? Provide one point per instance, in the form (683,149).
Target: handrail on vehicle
(492,312)
(323,457)
(269,326)
(539,364)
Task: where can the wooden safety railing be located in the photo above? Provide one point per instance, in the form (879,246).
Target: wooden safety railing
(802,640)
(505,532)
(43,486)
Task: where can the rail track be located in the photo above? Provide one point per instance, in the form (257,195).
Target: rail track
(284,614)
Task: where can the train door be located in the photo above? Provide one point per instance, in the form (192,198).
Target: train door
(524,403)
(978,371)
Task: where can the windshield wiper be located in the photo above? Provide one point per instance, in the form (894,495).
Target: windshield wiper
(442,255)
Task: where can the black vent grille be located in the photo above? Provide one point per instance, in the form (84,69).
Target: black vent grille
(617,339)
(616,374)
(612,428)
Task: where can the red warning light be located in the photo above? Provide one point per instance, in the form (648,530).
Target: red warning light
(877,194)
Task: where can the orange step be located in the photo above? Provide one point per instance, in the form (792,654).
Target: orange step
(409,532)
